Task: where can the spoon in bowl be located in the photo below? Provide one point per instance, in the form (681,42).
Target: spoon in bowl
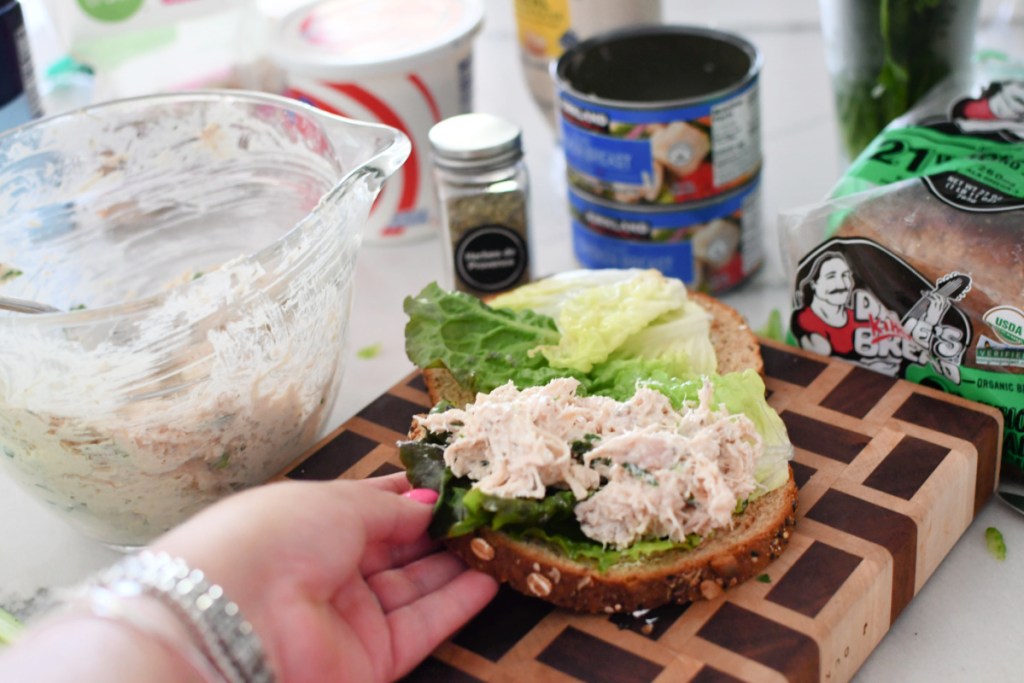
(25,306)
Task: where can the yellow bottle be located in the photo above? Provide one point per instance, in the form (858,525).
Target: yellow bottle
(546,28)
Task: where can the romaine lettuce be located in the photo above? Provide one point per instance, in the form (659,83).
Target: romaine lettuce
(481,346)
(600,311)
(485,346)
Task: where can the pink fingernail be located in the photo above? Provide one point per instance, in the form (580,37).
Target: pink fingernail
(428,496)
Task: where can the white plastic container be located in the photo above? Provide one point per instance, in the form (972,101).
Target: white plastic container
(141,47)
(405,64)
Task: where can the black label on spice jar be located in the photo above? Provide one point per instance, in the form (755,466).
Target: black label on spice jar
(490,258)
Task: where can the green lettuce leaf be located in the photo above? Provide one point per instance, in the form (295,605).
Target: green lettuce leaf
(773,328)
(483,347)
(579,548)
(424,463)
(460,509)
(486,346)
(599,311)
(680,339)
(519,512)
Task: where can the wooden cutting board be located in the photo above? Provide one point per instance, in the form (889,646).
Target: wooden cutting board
(890,475)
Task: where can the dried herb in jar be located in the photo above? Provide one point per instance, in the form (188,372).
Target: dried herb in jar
(482,183)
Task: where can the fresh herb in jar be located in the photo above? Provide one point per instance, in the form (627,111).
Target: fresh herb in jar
(889,53)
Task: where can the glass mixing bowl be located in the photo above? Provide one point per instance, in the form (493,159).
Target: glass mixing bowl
(202,248)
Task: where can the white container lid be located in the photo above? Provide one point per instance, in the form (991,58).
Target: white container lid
(358,38)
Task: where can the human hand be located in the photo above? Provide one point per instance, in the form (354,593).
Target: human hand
(339,579)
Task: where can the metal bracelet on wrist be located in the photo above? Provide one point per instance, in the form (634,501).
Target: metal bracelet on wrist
(224,636)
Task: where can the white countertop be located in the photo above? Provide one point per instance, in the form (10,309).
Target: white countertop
(964,625)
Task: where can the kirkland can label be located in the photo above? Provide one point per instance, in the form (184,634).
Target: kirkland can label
(713,246)
(678,135)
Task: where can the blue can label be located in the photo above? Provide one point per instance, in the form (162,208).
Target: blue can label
(670,155)
(711,247)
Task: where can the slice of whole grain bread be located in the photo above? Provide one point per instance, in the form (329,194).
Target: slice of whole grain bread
(719,563)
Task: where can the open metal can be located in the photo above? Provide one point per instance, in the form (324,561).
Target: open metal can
(660,114)
(712,246)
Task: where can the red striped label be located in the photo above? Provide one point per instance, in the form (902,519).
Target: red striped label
(387,116)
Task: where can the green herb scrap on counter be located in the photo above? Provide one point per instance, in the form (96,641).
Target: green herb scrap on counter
(995,543)
(8,273)
(370,351)
(773,328)
(10,627)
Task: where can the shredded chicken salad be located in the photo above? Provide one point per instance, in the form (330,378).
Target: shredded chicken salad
(646,470)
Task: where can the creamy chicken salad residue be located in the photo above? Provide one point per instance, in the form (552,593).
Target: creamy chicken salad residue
(652,471)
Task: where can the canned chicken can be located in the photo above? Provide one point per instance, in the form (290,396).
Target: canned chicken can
(660,114)
(712,245)
(406,65)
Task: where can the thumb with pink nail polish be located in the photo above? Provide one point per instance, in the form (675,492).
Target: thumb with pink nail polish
(428,496)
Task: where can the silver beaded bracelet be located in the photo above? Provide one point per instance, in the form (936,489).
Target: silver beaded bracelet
(224,637)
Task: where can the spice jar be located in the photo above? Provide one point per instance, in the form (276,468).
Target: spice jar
(482,184)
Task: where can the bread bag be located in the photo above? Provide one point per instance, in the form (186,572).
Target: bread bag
(915,266)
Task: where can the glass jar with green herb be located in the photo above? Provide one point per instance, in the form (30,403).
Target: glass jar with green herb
(884,55)
(484,190)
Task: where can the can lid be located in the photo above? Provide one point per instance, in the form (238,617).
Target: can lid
(346,38)
(476,139)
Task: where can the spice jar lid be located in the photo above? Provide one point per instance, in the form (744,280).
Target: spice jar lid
(473,140)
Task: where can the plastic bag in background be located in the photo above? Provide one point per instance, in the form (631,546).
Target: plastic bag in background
(138,47)
(968,119)
(915,266)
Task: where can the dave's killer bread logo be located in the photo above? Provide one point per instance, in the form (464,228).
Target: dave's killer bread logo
(856,300)
(898,320)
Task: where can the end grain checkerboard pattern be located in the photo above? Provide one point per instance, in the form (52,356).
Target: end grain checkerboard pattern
(890,475)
